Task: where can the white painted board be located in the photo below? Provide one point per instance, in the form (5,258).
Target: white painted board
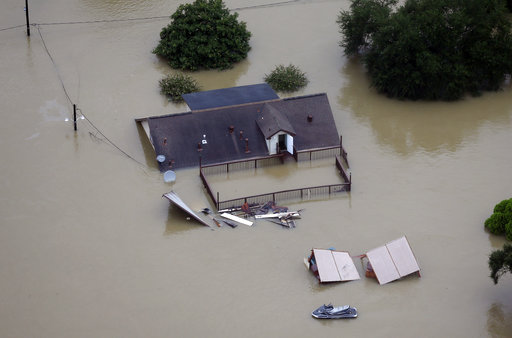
(236,219)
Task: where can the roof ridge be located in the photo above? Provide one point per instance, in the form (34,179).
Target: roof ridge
(303,96)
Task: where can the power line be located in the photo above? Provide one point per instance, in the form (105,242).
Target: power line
(109,141)
(281,3)
(54,65)
(4,29)
(81,112)
(274,4)
(102,21)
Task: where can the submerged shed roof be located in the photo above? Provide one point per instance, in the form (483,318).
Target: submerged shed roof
(393,260)
(229,96)
(335,266)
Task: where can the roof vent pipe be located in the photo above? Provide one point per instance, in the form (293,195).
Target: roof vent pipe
(310,118)
(241,134)
(231,129)
(247,146)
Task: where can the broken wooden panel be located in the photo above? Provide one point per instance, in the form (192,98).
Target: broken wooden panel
(236,219)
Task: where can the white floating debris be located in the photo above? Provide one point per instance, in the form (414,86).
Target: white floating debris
(236,219)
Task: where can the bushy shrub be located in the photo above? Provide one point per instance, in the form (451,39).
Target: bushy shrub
(203,35)
(175,85)
(500,222)
(286,79)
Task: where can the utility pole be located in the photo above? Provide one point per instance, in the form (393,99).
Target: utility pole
(74,116)
(26,14)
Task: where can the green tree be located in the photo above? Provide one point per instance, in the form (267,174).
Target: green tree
(500,262)
(500,222)
(203,35)
(359,25)
(430,49)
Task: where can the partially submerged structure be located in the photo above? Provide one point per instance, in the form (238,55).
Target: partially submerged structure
(177,201)
(240,123)
(332,266)
(393,261)
(389,262)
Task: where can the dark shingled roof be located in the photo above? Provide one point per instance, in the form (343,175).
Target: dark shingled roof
(271,121)
(229,96)
(177,136)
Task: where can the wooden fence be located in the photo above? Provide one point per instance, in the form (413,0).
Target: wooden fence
(308,193)
(319,153)
(257,162)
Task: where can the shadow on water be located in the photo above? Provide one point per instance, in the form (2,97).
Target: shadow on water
(179,222)
(149,152)
(411,126)
(499,321)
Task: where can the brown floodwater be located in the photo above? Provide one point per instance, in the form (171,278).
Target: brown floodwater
(88,248)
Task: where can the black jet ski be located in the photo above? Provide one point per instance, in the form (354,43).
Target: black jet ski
(331,312)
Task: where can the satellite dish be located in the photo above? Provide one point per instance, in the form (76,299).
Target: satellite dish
(160,158)
(169,176)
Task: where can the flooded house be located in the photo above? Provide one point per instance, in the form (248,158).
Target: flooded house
(240,123)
